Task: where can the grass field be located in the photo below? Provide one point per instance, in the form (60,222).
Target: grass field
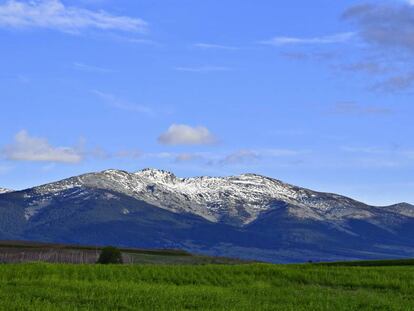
(42,286)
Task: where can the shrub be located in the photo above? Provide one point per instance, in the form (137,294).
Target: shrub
(110,255)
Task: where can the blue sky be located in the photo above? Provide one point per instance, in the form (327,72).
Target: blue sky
(315,93)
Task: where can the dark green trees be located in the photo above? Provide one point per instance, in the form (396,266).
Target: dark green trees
(110,255)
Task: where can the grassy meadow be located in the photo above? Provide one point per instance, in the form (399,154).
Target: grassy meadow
(42,286)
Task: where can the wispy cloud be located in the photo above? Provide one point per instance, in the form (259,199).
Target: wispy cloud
(129,154)
(252,156)
(384,32)
(397,83)
(274,153)
(211,46)
(203,69)
(384,25)
(243,157)
(122,104)
(36,149)
(131,38)
(90,68)
(352,108)
(337,38)
(368,67)
(53,14)
(313,56)
(387,30)
(181,134)
(188,157)
(369,149)
(240,157)
(374,156)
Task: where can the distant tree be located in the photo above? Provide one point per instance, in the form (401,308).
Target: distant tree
(110,255)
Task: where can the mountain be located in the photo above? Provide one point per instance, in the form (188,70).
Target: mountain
(247,216)
(3,190)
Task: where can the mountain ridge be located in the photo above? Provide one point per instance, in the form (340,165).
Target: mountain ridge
(211,197)
(167,173)
(248,216)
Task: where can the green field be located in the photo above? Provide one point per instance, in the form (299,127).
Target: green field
(218,287)
(27,252)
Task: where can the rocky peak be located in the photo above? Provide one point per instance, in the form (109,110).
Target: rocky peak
(156,174)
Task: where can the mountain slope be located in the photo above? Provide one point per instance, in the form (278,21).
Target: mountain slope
(247,216)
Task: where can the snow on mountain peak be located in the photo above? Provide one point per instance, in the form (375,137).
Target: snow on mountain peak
(236,199)
(155,174)
(3,190)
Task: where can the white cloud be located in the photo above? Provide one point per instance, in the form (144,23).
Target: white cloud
(53,14)
(337,38)
(180,134)
(28,148)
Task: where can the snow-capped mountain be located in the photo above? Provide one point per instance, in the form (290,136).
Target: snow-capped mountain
(248,216)
(3,190)
(239,199)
